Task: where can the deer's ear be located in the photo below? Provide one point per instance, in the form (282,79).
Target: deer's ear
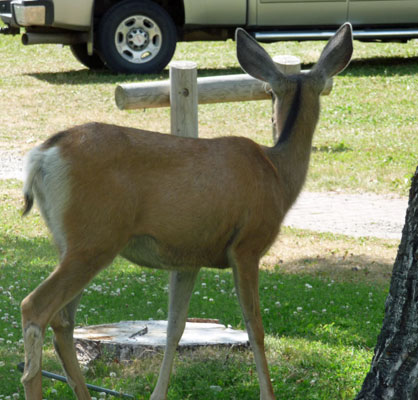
(254,60)
(337,53)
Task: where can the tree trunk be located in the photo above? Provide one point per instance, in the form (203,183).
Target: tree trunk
(394,370)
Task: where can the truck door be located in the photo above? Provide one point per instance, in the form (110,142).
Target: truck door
(298,13)
(389,12)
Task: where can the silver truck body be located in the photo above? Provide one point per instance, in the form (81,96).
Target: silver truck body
(62,21)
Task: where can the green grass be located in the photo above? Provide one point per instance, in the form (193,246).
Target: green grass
(320,332)
(365,140)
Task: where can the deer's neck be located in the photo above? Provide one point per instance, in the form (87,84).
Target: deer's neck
(296,116)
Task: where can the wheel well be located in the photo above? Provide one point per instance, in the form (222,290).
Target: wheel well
(174,7)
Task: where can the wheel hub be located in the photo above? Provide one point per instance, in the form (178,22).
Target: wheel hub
(138,39)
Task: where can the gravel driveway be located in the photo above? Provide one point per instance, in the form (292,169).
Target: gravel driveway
(349,214)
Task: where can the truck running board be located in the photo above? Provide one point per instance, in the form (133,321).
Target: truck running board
(369,34)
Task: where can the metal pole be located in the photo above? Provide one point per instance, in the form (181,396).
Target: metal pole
(21,367)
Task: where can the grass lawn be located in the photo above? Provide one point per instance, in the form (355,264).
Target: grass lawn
(322,311)
(322,295)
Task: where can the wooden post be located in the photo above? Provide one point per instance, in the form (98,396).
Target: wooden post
(183,98)
(288,64)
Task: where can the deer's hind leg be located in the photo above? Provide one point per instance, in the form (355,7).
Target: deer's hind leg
(63,325)
(59,293)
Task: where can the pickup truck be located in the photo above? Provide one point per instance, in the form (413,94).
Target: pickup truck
(140,36)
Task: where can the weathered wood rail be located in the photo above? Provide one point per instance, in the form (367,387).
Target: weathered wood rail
(184,91)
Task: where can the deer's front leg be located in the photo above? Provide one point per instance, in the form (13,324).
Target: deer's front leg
(246,284)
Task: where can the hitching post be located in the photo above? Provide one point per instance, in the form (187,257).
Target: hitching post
(183,98)
(184,91)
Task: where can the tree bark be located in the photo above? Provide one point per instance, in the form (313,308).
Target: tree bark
(394,369)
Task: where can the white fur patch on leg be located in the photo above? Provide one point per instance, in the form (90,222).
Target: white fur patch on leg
(33,352)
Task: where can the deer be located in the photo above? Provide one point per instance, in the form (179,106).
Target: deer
(171,203)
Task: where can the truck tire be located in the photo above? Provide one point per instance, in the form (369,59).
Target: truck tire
(137,37)
(94,61)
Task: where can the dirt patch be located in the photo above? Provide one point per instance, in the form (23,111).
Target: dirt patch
(336,257)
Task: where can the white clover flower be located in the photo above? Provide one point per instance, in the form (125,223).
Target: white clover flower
(112,374)
(308,286)
(299,309)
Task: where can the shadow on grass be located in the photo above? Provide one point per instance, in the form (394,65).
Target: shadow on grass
(387,66)
(87,77)
(377,66)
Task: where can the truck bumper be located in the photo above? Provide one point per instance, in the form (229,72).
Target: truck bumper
(27,12)
(6,12)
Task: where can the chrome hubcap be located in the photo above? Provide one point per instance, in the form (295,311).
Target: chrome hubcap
(138,39)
